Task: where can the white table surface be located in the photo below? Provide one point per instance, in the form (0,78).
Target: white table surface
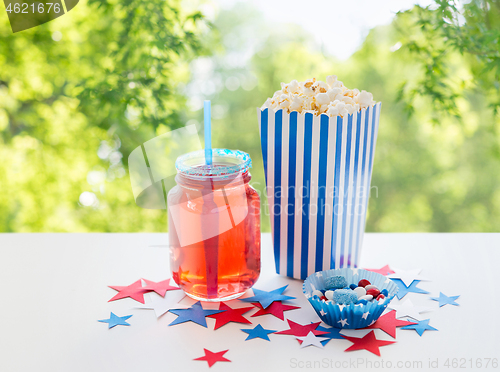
(54,289)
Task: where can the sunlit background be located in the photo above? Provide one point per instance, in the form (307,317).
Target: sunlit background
(78,94)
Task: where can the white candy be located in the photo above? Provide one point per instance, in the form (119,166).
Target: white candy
(329,295)
(317,293)
(360,291)
(366,297)
(370,286)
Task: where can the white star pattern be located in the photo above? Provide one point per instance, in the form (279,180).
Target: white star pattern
(354,271)
(343,322)
(311,339)
(406,308)
(161,305)
(372,323)
(365,315)
(341,306)
(322,312)
(407,276)
(318,274)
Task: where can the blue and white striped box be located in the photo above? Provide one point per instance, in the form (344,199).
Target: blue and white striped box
(318,171)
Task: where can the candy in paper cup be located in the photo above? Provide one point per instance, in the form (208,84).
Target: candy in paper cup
(351,316)
(318,171)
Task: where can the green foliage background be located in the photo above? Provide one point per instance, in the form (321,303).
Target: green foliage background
(125,71)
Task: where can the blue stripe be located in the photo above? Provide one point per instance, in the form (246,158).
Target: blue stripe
(374,119)
(323,155)
(362,216)
(277,186)
(338,150)
(308,123)
(263,138)
(354,185)
(291,192)
(343,259)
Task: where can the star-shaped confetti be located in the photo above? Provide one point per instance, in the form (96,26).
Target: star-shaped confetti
(386,270)
(276,308)
(161,305)
(368,342)
(406,308)
(407,276)
(230,315)
(195,314)
(311,340)
(388,323)
(161,287)
(299,330)
(403,290)
(134,291)
(267,298)
(258,332)
(115,320)
(421,327)
(445,300)
(331,333)
(212,358)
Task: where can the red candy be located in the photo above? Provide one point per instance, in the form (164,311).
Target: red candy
(323,298)
(363,283)
(373,291)
(380,297)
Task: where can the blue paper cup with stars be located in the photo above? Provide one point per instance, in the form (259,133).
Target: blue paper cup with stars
(351,316)
(318,171)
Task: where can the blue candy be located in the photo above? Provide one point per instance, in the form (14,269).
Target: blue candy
(335,282)
(385,292)
(353,286)
(363,302)
(345,296)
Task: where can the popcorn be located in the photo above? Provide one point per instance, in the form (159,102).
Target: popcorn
(317,97)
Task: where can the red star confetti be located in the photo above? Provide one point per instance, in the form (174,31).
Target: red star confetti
(386,270)
(212,358)
(230,315)
(134,291)
(368,342)
(276,308)
(388,323)
(161,287)
(299,330)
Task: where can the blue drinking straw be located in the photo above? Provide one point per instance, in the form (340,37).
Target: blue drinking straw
(208,132)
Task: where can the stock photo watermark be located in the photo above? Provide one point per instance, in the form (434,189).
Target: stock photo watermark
(430,363)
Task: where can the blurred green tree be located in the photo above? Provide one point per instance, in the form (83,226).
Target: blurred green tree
(76,96)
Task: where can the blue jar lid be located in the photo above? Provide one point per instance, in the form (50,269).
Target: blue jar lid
(225,164)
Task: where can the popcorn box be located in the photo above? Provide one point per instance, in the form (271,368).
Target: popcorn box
(318,171)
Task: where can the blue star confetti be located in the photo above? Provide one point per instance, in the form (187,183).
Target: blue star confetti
(195,314)
(267,298)
(332,333)
(115,320)
(445,300)
(258,332)
(403,290)
(421,327)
